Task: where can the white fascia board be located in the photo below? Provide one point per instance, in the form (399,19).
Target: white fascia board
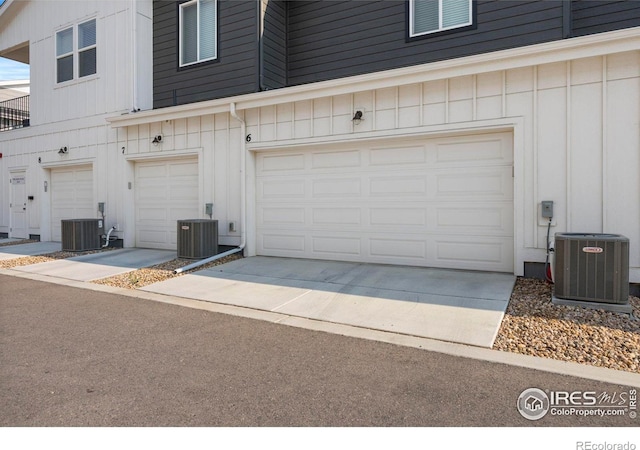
(4,14)
(10,9)
(550,52)
(14,84)
(5,6)
(171,113)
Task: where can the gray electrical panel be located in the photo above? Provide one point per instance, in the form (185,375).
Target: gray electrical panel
(547,209)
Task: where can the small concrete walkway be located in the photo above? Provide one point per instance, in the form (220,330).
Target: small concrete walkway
(449,305)
(99,265)
(6,240)
(30,249)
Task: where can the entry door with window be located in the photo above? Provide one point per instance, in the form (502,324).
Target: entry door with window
(18,227)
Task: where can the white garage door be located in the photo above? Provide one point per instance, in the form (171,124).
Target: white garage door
(71,196)
(166,191)
(445,202)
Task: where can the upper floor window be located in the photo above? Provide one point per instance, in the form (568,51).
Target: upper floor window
(430,16)
(198,31)
(76,51)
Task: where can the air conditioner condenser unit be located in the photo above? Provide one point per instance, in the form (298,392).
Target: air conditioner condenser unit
(79,235)
(197,238)
(592,270)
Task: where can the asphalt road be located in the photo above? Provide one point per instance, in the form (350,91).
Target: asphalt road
(77,357)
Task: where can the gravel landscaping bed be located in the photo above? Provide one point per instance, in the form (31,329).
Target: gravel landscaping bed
(160,272)
(28,260)
(532,325)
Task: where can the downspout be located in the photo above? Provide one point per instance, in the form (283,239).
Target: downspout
(567,19)
(243,199)
(243,175)
(260,28)
(134,59)
(108,237)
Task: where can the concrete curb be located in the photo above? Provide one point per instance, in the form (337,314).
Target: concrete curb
(532,362)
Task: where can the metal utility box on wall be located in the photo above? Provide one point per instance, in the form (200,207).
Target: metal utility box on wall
(81,234)
(592,270)
(197,238)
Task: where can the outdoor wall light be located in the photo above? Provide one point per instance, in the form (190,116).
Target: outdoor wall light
(63,151)
(357,117)
(156,140)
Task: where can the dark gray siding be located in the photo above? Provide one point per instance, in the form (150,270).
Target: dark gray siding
(274,44)
(303,41)
(234,72)
(333,39)
(599,16)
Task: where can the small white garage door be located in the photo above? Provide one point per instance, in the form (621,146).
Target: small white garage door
(71,196)
(445,202)
(166,191)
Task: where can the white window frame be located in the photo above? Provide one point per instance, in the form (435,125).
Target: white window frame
(440,28)
(65,55)
(75,52)
(180,31)
(87,48)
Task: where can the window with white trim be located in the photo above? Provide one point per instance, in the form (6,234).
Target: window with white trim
(198,31)
(431,16)
(76,58)
(64,53)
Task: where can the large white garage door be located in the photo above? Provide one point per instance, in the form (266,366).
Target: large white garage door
(166,191)
(71,196)
(445,202)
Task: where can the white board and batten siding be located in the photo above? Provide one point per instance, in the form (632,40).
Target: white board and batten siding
(71,196)
(165,191)
(440,202)
(326,187)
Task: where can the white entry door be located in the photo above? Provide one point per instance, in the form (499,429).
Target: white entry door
(18,205)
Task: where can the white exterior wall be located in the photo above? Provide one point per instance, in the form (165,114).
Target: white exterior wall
(214,139)
(575,125)
(576,128)
(573,111)
(111,89)
(73,114)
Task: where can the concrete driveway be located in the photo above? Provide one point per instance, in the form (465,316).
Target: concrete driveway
(450,305)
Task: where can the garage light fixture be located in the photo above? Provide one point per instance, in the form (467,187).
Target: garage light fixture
(63,151)
(357,117)
(156,140)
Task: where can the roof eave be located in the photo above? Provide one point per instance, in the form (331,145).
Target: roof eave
(550,52)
